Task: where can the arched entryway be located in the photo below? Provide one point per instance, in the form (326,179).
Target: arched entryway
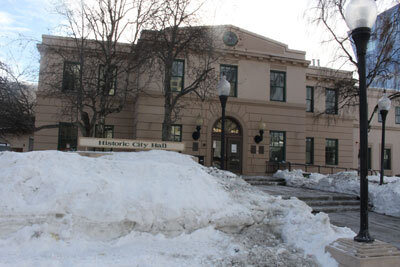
(233,145)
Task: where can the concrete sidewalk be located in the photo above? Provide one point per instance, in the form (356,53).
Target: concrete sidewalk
(381,227)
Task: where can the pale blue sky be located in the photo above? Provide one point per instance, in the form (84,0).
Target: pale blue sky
(22,22)
(281,20)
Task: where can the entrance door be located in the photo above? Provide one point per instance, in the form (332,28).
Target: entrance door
(233,146)
(234,155)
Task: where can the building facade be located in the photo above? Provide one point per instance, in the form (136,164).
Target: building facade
(270,84)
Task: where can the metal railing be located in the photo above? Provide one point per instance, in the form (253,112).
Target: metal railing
(273,167)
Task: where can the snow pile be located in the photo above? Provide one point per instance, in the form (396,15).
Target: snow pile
(151,208)
(385,198)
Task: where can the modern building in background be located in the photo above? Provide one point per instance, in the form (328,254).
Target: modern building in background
(270,83)
(390,77)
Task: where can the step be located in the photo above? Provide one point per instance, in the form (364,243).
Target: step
(329,209)
(267,178)
(267,182)
(328,198)
(333,203)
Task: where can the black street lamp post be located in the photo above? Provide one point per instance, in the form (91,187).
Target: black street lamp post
(224,88)
(360,17)
(384,107)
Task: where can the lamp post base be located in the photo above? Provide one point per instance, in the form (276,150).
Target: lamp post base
(363,236)
(349,253)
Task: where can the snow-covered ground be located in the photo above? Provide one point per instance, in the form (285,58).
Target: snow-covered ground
(384,198)
(153,208)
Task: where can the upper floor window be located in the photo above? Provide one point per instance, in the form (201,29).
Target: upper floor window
(331,101)
(310,99)
(71,74)
(231,73)
(177,77)
(397,115)
(278,86)
(108,79)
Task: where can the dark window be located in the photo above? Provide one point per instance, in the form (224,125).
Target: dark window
(331,101)
(177,78)
(108,79)
(387,159)
(331,152)
(5,147)
(277,146)
(176,133)
(107,133)
(309,150)
(71,76)
(397,115)
(195,146)
(310,99)
(231,73)
(369,158)
(278,86)
(201,159)
(67,136)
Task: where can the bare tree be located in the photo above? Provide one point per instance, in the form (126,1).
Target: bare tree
(99,71)
(382,56)
(16,104)
(185,56)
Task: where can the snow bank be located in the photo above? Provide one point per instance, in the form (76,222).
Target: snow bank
(151,207)
(385,198)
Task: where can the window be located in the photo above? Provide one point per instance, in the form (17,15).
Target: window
(331,101)
(278,86)
(309,150)
(331,152)
(230,73)
(178,72)
(387,159)
(310,99)
(108,131)
(397,115)
(176,133)
(277,146)
(108,79)
(231,127)
(71,76)
(67,136)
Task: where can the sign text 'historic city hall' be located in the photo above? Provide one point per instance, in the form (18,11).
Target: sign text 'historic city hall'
(129,144)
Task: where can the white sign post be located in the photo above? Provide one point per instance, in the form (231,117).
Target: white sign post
(129,144)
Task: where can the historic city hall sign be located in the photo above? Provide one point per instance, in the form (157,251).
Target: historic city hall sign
(129,144)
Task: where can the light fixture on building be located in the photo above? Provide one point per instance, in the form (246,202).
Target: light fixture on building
(259,138)
(199,122)
(360,16)
(384,104)
(223,89)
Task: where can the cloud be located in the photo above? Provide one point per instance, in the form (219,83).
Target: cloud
(5,18)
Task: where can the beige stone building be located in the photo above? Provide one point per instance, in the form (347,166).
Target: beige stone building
(271,84)
(22,143)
